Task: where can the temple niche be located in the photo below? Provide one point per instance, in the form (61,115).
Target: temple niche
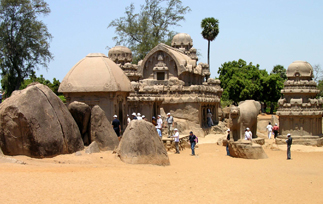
(299,111)
(169,79)
(97,80)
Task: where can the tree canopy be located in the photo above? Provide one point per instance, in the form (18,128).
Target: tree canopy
(24,41)
(241,81)
(144,30)
(210,30)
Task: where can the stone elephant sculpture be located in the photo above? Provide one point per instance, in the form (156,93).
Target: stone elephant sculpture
(243,116)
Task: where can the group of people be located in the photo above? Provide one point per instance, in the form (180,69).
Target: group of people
(272,130)
(275,129)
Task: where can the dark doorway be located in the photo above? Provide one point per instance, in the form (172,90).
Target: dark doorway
(121,115)
(160,76)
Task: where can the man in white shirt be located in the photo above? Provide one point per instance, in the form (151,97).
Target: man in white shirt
(139,116)
(248,135)
(128,119)
(159,125)
(269,129)
(176,140)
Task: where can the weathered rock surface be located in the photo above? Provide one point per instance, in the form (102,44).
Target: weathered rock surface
(35,122)
(141,144)
(102,131)
(92,148)
(247,150)
(81,113)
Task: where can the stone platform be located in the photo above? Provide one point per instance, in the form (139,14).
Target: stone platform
(247,150)
(302,140)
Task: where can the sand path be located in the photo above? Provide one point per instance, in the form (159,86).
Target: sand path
(210,177)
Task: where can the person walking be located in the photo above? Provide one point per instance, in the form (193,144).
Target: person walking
(228,139)
(170,124)
(275,130)
(269,130)
(289,145)
(116,126)
(159,126)
(176,140)
(192,138)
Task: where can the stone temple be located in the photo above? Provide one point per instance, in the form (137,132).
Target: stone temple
(168,79)
(300,113)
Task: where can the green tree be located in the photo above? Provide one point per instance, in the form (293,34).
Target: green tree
(241,81)
(144,30)
(24,41)
(210,30)
(279,69)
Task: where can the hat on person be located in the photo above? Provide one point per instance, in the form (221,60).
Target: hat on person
(275,123)
(248,129)
(154,117)
(175,129)
(159,116)
(134,114)
(288,135)
(115,116)
(138,114)
(143,116)
(127,115)
(228,130)
(168,113)
(191,132)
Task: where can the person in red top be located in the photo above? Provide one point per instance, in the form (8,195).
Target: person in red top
(275,130)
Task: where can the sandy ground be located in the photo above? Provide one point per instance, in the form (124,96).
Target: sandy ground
(210,177)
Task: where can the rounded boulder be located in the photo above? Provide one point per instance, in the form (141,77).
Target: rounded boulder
(141,144)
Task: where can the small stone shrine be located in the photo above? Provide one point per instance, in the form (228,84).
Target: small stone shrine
(300,113)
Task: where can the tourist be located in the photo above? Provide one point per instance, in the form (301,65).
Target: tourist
(275,130)
(176,139)
(228,139)
(269,130)
(289,144)
(128,119)
(209,118)
(139,116)
(144,118)
(159,125)
(153,121)
(116,126)
(248,134)
(192,138)
(134,116)
(170,124)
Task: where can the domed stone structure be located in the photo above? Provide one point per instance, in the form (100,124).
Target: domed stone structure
(182,40)
(300,113)
(300,69)
(120,55)
(97,80)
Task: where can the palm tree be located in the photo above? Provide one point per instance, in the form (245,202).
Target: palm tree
(210,30)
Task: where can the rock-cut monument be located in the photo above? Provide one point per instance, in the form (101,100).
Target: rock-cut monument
(299,111)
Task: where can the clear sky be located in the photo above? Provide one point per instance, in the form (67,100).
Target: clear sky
(259,31)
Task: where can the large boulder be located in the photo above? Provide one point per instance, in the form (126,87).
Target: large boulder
(81,113)
(247,150)
(102,131)
(141,144)
(35,122)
